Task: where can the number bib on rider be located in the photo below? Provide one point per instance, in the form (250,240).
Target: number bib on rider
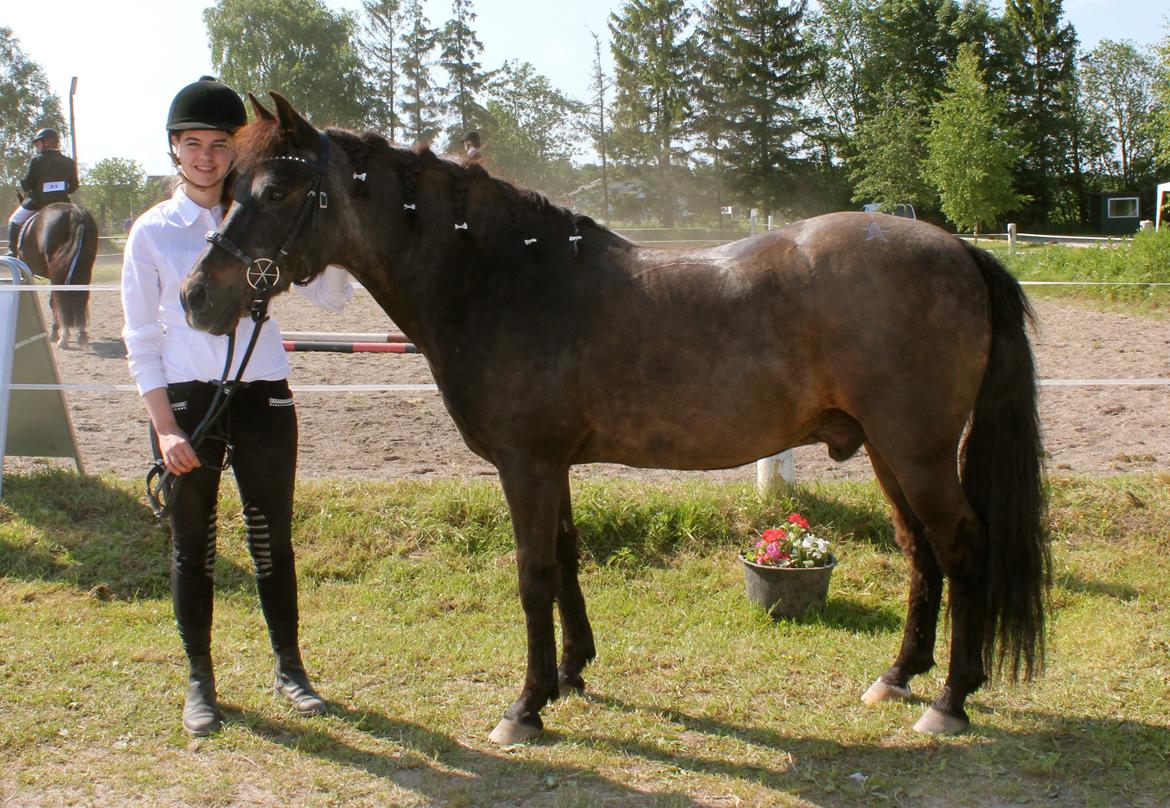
(53,187)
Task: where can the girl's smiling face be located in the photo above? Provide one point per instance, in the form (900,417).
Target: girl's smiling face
(204,155)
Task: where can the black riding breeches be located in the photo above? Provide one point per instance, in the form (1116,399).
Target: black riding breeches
(261,426)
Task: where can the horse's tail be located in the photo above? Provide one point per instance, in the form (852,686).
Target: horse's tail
(76,268)
(1003,478)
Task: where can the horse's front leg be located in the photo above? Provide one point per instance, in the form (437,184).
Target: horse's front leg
(576,633)
(55,330)
(533,491)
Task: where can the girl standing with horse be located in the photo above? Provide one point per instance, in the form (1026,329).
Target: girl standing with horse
(178,371)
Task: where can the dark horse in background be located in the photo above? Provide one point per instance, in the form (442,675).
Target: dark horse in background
(555,341)
(60,243)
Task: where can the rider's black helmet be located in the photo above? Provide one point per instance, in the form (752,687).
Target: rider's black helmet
(46,134)
(472,137)
(207,104)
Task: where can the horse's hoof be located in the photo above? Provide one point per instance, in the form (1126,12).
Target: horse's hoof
(509,732)
(571,684)
(936,722)
(880,691)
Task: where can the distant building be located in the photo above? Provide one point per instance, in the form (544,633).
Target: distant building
(1117,213)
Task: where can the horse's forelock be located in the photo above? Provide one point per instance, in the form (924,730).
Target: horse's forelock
(256,142)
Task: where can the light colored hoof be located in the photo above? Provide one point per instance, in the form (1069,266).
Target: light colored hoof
(880,691)
(936,722)
(508,732)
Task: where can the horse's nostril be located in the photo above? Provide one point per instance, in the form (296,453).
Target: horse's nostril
(195,297)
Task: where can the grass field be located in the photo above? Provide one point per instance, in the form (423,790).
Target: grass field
(413,630)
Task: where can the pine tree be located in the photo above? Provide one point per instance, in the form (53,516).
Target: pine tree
(969,158)
(1041,91)
(415,53)
(757,67)
(652,67)
(459,50)
(381,27)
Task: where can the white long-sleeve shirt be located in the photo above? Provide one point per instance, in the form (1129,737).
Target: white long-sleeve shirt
(162,349)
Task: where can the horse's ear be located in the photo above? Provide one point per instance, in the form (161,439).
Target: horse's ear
(259,110)
(299,131)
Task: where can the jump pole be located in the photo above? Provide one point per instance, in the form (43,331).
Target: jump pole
(351,347)
(334,336)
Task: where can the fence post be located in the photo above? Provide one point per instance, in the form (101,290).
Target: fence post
(770,225)
(774,474)
(753,221)
(1146,225)
(1012,238)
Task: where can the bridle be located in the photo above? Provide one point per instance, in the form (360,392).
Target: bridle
(263,274)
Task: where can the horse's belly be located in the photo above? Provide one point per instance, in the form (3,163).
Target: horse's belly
(684,435)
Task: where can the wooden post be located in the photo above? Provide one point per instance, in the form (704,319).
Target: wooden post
(1146,224)
(753,221)
(1012,238)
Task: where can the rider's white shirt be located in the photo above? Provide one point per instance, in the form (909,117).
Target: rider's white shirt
(160,252)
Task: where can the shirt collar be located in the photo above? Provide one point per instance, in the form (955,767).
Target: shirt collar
(187,211)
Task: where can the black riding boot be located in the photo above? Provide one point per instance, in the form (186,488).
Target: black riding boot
(292,681)
(201,712)
(13,236)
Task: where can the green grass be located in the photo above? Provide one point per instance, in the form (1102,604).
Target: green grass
(1144,259)
(413,630)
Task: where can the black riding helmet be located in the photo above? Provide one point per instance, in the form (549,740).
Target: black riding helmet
(46,134)
(206,104)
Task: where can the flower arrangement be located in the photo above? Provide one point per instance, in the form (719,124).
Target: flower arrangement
(790,545)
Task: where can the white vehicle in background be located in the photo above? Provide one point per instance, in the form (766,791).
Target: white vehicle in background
(905,210)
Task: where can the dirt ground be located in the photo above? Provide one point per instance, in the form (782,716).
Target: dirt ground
(394,435)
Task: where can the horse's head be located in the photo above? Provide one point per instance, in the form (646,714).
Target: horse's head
(274,234)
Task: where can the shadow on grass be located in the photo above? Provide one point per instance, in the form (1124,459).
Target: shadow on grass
(443,769)
(841,612)
(1076,583)
(823,767)
(89,533)
(867,521)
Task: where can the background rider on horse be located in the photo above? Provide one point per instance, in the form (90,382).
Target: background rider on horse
(51,178)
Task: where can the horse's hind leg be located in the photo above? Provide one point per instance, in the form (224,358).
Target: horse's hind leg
(917,652)
(935,495)
(534,494)
(576,633)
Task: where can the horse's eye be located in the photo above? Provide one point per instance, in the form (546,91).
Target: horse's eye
(275,195)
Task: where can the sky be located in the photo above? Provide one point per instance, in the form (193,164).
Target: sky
(130,57)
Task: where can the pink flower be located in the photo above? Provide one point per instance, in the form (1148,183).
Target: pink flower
(774,552)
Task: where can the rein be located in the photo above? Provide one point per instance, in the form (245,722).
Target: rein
(161,485)
(263,274)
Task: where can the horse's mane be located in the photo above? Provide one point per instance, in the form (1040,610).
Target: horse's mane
(263,139)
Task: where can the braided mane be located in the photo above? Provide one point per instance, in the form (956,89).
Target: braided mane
(262,139)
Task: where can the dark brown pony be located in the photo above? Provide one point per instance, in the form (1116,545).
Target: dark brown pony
(555,341)
(60,243)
